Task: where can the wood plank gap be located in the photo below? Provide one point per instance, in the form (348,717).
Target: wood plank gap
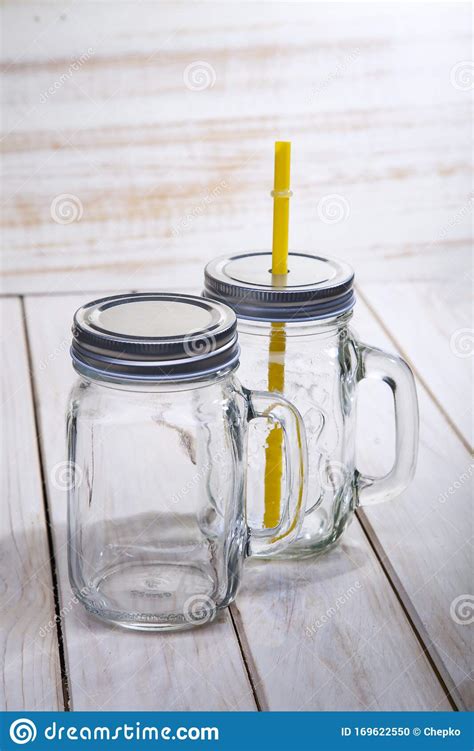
(250,667)
(420,378)
(89,293)
(409,609)
(59,293)
(49,536)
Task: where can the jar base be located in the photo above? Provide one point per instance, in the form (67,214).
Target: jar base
(151,596)
(309,545)
(300,549)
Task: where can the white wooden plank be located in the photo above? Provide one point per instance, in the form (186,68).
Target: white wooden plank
(425,536)
(31,678)
(109,668)
(433,324)
(329,634)
(167,177)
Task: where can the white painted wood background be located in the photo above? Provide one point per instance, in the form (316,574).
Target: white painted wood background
(100,112)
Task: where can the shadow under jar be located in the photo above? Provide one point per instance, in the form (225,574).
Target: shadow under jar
(157,429)
(299,323)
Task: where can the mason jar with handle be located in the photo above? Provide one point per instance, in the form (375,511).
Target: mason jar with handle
(298,325)
(157,434)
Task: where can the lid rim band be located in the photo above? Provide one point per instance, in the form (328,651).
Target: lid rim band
(156,372)
(255,299)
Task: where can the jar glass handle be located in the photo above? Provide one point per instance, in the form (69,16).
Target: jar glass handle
(376,364)
(272,406)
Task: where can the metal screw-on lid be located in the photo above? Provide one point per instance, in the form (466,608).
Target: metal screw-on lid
(314,288)
(154,337)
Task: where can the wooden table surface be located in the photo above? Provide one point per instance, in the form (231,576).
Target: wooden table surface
(137,144)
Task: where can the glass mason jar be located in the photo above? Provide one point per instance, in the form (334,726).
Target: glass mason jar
(296,340)
(157,429)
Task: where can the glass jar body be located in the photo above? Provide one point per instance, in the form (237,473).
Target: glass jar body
(157,533)
(320,365)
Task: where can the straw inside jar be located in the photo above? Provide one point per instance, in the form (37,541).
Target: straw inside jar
(276,355)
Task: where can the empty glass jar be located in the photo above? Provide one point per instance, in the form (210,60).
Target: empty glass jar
(157,429)
(295,338)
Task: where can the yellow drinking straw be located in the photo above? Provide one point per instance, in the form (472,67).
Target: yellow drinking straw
(276,355)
